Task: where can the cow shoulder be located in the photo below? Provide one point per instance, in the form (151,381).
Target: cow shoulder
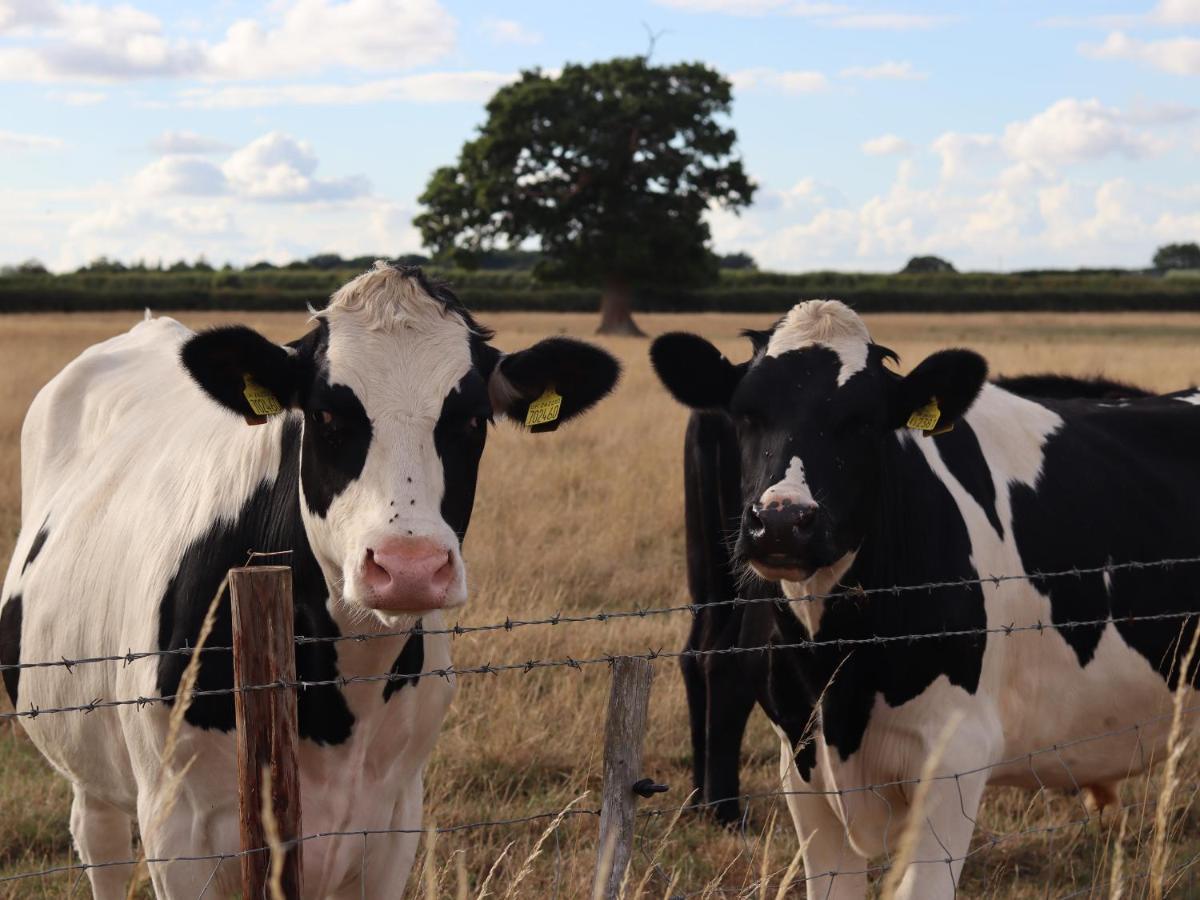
(269,521)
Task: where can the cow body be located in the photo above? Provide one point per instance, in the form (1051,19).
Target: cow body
(722,688)
(139,494)
(1018,486)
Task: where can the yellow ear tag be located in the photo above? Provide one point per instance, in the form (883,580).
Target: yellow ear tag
(262,401)
(544,409)
(925,418)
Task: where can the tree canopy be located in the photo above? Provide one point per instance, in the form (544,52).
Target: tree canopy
(1177,256)
(609,167)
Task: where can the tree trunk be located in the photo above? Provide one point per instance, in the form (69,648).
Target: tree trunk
(616,309)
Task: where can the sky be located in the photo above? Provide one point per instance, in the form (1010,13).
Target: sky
(999,135)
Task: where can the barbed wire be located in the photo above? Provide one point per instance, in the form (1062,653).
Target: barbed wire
(288,844)
(511,624)
(530,665)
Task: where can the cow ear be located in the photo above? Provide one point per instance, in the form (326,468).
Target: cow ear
(951,377)
(694,371)
(243,371)
(560,377)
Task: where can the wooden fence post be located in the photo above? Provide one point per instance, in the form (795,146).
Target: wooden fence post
(264,652)
(624,735)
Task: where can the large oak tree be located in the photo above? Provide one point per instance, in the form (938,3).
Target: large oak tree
(610,167)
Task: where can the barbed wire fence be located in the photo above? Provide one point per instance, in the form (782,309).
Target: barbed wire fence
(623,794)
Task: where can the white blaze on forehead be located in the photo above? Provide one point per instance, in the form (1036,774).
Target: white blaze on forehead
(792,488)
(399,349)
(824,323)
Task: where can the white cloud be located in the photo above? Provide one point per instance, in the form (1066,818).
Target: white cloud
(889,71)
(787,81)
(1178,12)
(274,167)
(993,225)
(430,87)
(1076,130)
(506,31)
(183,175)
(315,35)
(886,145)
(1179,55)
(12,140)
(186,142)
(86,42)
(1166,12)
(277,166)
(959,151)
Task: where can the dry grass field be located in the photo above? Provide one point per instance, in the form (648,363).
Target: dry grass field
(588,519)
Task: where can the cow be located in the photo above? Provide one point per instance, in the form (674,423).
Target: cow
(723,688)
(143,483)
(856,478)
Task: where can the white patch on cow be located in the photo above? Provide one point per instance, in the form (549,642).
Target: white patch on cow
(401,352)
(1193,399)
(807,605)
(792,488)
(824,323)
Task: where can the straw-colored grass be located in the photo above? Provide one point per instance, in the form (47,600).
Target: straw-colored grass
(588,519)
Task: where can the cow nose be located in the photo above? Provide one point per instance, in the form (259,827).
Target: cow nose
(411,574)
(780,528)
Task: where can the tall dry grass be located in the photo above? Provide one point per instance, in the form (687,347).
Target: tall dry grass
(588,519)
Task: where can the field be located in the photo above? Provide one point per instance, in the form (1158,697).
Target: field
(588,519)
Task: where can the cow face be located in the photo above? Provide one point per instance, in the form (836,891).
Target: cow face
(814,409)
(395,387)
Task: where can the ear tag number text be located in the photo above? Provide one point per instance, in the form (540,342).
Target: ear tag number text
(261,400)
(544,409)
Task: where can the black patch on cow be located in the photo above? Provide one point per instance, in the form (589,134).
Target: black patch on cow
(408,664)
(961,453)
(35,548)
(459,438)
(897,551)
(1118,484)
(335,451)
(10,645)
(1066,386)
(269,521)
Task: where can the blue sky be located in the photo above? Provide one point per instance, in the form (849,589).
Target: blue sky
(1000,135)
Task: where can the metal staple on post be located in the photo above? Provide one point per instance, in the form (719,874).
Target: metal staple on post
(624,735)
(263,653)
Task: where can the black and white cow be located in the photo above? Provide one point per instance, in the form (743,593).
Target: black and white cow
(139,492)
(842,495)
(722,688)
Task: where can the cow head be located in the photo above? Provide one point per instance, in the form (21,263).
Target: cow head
(814,408)
(395,387)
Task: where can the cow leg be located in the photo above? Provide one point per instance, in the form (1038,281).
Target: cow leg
(833,870)
(387,859)
(102,834)
(730,701)
(186,831)
(944,833)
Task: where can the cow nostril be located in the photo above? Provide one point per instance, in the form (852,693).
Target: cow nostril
(754,519)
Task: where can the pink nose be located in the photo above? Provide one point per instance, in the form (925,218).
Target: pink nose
(408,574)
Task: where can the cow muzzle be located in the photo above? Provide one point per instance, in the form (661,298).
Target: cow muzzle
(778,539)
(409,575)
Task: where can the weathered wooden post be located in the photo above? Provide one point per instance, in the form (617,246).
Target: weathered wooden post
(263,653)
(624,735)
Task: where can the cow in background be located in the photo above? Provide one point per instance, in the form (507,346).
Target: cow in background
(723,688)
